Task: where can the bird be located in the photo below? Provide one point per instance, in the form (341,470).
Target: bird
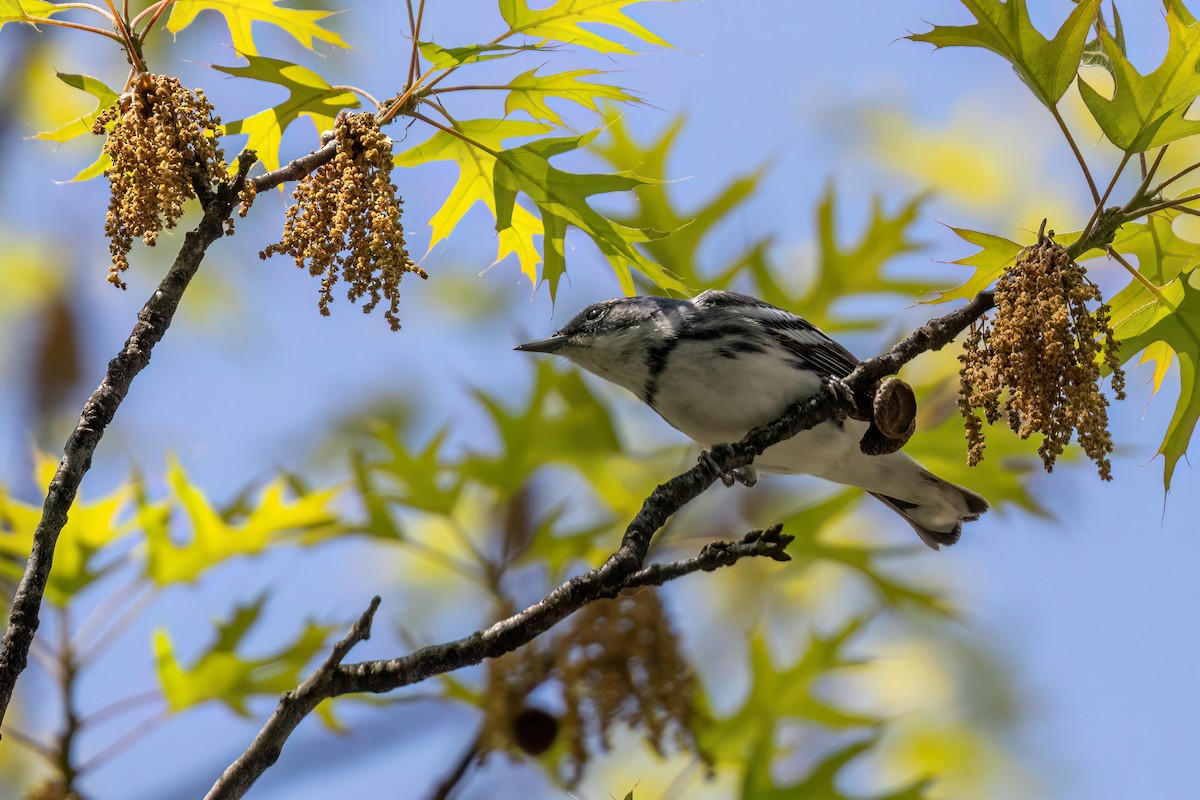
(720,364)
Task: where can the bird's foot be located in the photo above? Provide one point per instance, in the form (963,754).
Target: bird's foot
(844,396)
(747,475)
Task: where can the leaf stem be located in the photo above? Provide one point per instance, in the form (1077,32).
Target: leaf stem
(1062,125)
(1183,172)
(360,92)
(1138,276)
(84,7)
(453,132)
(79,26)
(118,707)
(1163,206)
(33,744)
(414,62)
(157,9)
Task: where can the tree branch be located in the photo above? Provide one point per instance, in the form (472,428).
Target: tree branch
(152,322)
(625,569)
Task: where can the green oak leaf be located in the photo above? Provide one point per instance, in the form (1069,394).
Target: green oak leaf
(656,210)
(859,268)
(309,95)
(995,254)
(563,422)
(240,16)
(476,183)
(446,57)
(1148,110)
(563,20)
(562,200)
(530,92)
(783,692)
(1173,320)
(79,558)
(1047,66)
(27,11)
(1161,257)
(81,125)
(220,674)
(271,519)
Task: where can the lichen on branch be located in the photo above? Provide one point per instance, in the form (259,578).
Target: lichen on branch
(346,221)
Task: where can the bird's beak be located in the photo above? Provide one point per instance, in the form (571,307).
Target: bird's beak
(551,344)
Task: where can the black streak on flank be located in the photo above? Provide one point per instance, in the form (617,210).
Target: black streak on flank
(656,362)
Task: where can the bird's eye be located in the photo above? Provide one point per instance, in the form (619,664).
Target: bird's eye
(594,314)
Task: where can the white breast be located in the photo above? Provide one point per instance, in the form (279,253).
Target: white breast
(716,400)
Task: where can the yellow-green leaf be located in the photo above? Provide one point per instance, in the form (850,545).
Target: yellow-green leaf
(272,519)
(562,200)
(530,92)
(1046,66)
(26,10)
(995,253)
(81,125)
(476,183)
(91,527)
(446,57)
(1172,318)
(240,16)
(309,95)
(221,674)
(1148,110)
(563,21)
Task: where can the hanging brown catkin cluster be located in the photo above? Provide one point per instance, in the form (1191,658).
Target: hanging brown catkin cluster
(621,663)
(163,137)
(617,664)
(1038,362)
(346,221)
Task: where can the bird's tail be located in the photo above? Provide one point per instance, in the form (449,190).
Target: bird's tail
(940,512)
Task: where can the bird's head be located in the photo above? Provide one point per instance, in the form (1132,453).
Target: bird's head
(615,339)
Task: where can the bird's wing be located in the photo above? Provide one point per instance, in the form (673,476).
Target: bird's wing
(811,348)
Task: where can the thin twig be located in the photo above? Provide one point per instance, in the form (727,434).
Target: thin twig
(454,778)
(455,133)
(119,707)
(79,26)
(361,92)
(143,729)
(1163,206)
(1182,173)
(293,707)
(1138,276)
(1078,155)
(414,25)
(22,738)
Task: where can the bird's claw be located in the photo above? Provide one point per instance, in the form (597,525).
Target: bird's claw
(747,476)
(843,394)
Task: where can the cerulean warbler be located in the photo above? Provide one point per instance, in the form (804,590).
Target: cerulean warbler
(722,363)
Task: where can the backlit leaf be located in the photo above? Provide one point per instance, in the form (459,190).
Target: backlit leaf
(563,21)
(309,95)
(476,183)
(271,519)
(530,92)
(240,16)
(26,10)
(1174,320)
(81,125)
(222,675)
(90,528)
(562,200)
(1147,110)
(447,57)
(995,254)
(1046,66)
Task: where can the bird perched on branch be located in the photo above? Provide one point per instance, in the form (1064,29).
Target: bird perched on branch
(721,364)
